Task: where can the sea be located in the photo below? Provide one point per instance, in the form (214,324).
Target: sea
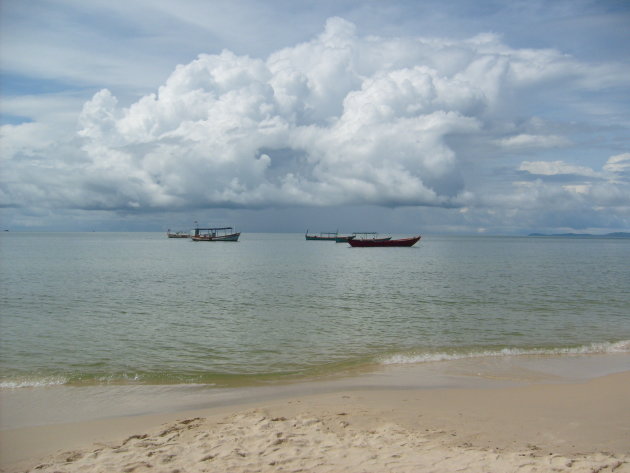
(120,309)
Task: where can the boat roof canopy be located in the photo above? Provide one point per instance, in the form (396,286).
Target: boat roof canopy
(216,228)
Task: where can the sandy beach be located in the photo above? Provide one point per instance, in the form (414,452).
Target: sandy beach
(577,426)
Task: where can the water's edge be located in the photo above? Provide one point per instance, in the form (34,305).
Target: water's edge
(66,404)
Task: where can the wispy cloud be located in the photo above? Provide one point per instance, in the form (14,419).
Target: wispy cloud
(526,141)
(618,164)
(555,168)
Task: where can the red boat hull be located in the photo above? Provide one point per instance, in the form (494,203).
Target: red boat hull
(387,243)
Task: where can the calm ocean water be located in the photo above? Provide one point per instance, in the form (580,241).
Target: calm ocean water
(98,308)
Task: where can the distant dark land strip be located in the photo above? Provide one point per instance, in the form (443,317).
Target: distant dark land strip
(583,235)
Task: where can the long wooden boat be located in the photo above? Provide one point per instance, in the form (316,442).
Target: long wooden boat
(344,238)
(371,236)
(324,236)
(170,234)
(215,234)
(355,243)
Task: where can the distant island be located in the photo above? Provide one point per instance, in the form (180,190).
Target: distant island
(583,235)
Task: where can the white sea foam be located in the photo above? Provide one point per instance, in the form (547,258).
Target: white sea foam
(622,346)
(32,382)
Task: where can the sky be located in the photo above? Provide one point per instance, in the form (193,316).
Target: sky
(418,117)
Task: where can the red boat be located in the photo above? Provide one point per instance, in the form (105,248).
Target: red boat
(381,243)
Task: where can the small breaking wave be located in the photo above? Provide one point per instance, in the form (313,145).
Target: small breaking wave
(601,348)
(32,382)
(216,379)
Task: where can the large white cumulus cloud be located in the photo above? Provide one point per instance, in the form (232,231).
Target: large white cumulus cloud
(341,119)
(325,122)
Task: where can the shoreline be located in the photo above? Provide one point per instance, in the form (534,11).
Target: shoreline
(331,370)
(565,409)
(57,404)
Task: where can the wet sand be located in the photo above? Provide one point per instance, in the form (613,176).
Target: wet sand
(488,415)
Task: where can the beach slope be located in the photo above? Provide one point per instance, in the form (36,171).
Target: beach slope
(578,427)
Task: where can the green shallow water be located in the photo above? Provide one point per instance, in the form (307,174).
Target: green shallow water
(100,308)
